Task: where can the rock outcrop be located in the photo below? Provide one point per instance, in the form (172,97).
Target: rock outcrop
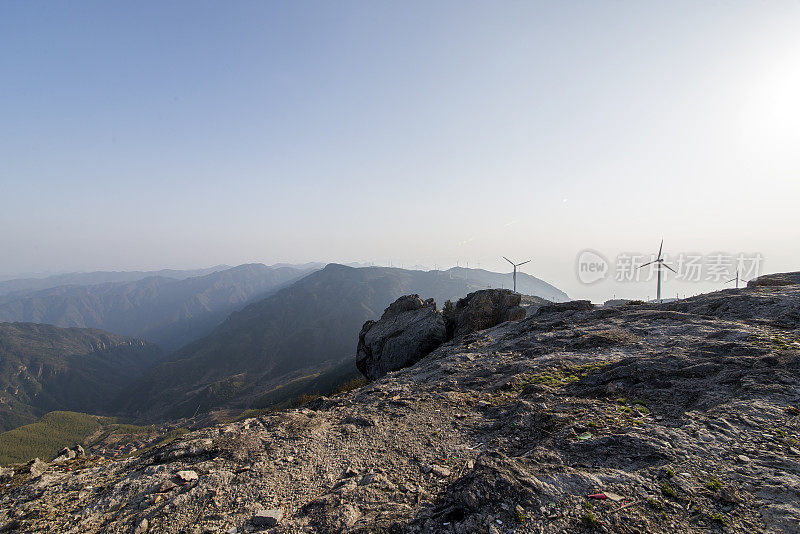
(411,328)
(484,309)
(408,330)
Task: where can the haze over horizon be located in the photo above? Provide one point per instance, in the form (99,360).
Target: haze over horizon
(189,135)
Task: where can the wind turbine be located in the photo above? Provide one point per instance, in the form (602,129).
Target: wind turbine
(515,270)
(737,279)
(660,262)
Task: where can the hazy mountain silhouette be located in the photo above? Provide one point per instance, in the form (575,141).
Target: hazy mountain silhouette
(45,368)
(312,323)
(34,283)
(168,311)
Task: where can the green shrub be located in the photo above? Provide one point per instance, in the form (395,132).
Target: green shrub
(669,491)
(717,519)
(589,520)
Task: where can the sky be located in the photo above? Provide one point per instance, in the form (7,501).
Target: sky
(155,135)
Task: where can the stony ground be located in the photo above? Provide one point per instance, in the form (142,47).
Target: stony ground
(673,418)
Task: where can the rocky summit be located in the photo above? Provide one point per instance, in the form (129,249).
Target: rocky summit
(680,417)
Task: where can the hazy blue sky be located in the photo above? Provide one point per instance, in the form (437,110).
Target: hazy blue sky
(184,134)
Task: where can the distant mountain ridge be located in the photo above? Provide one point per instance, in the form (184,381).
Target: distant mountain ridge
(31,283)
(167,311)
(45,368)
(526,283)
(309,324)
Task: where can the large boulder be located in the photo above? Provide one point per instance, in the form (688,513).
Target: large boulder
(484,309)
(408,330)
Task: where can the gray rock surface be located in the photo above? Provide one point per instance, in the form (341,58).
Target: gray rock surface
(486,308)
(777,279)
(407,331)
(572,305)
(688,412)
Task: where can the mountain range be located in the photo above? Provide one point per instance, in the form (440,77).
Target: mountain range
(33,283)
(244,337)
(168,311)
(307,328)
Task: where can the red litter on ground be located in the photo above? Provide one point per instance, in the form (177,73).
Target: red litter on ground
(597,496)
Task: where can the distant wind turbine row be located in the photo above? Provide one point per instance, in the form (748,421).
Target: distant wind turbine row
(660,262)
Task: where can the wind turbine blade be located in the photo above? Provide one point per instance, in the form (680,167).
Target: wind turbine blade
(659,249)
(509,261)
(523,263)
(668,267)
(646,264)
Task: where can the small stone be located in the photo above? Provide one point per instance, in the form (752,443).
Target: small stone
(142,527)
(184,477)
(267,518)
(349,473)
(440,471)
(470,464)
(408,488)
(794,451)
(35,467)
(743,459)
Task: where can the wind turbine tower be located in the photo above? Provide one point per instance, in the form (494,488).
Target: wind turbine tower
(659,261)
(736,279)
(515,270)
